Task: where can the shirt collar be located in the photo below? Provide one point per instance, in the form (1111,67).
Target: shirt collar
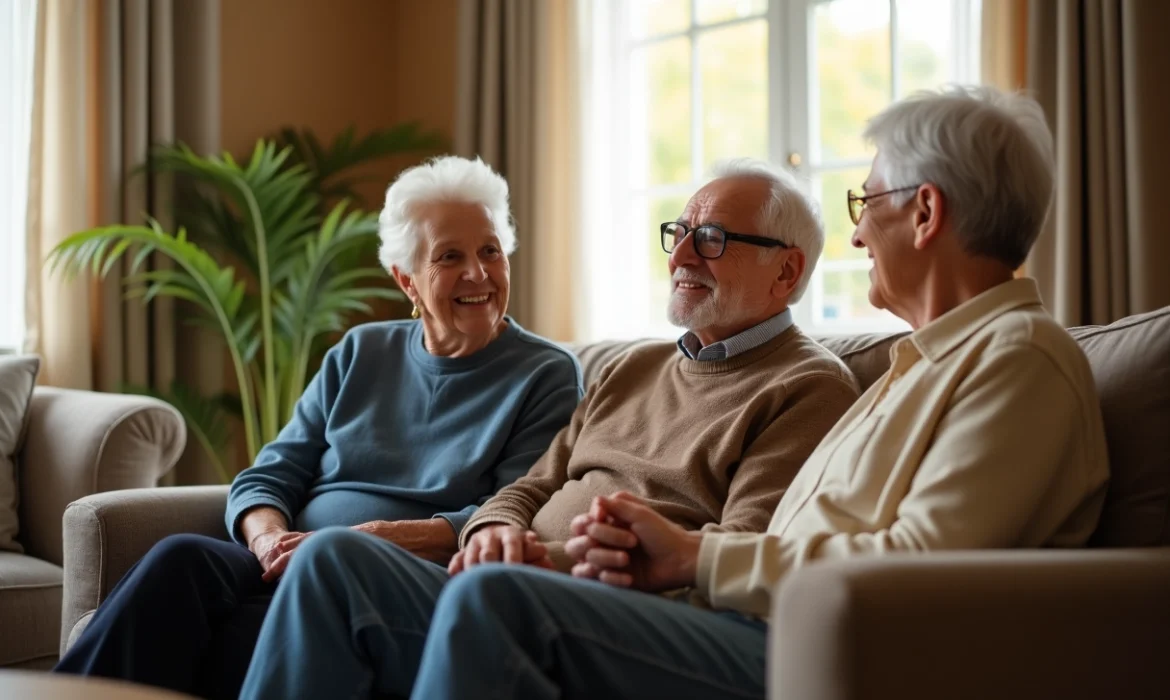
(737,344)
(949,331)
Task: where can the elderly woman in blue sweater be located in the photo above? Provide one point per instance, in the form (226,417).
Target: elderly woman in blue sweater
(404,431)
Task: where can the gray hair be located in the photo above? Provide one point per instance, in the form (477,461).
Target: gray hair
(442,179)
(788,216)
(990,154)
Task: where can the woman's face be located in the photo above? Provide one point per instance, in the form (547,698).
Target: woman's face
(461,276)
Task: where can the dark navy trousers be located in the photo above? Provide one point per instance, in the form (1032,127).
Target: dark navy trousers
(186,617)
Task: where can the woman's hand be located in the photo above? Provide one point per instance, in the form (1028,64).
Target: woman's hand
(625,543)
(432,539)
(501,543)
(274,549)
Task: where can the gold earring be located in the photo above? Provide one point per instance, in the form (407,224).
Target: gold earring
(415,313)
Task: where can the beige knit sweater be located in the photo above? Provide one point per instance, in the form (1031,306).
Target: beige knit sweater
(711,445)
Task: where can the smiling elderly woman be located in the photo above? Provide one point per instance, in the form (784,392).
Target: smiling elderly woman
(406,429)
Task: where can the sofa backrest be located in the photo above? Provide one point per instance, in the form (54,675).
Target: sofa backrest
(1130,360)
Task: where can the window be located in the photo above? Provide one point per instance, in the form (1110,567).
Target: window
(17,33)
(674,85)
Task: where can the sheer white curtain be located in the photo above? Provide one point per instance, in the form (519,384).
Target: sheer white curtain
(18,20)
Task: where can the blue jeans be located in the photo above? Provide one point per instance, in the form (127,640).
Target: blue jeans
(352,614)
(509,632)
(348,620)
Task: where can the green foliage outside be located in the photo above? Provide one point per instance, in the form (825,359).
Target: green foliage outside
(270,253)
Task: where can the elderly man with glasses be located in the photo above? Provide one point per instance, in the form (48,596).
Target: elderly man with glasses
(709,431)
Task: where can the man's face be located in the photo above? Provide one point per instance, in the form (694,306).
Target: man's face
(715,299)
(887,233)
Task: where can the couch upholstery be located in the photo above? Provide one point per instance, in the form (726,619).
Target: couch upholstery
(77,443)
(1018,624)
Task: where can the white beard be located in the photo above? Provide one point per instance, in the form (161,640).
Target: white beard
(716,309)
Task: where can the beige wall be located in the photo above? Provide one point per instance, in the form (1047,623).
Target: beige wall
(325,64)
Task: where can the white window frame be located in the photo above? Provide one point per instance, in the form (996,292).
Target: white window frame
(18,21)
(615,300)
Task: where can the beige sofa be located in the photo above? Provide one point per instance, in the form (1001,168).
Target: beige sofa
(77,443)
(1022,624)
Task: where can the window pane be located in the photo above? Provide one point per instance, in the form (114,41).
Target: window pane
(660,123)
(649,212)
(711,11)
(654,17)
(852,58)
(838,226)
(734,74)
(925,42)
(845,297)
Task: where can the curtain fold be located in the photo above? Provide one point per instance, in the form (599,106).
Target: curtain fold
(518,109)
(114,78)
(1097,68)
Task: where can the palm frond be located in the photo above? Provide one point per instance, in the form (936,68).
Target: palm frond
(347,151)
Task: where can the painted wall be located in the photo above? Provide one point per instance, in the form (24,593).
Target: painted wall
(325,64)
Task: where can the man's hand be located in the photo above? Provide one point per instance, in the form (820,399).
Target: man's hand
(501,543)
(274,549)
(625,543)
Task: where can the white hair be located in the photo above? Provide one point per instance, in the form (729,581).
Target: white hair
(990,154)
(442,179)
(788,216)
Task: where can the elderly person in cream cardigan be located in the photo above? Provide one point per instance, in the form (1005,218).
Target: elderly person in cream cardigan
(408,427)
(985,433)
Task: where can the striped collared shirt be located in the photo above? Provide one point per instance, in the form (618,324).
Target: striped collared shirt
(737,344)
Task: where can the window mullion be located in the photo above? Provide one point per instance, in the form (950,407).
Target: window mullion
(895,54)
(793,47)
(696,97)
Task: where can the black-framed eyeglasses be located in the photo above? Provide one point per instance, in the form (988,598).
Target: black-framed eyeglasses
(709,240)
(857,202)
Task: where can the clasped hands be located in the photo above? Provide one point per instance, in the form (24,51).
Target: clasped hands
(621,541)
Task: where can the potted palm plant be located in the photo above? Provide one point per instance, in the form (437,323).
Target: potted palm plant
(273,254)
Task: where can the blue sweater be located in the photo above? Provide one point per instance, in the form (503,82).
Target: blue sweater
(387,431)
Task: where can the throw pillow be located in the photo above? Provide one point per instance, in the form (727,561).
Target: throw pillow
(18,375)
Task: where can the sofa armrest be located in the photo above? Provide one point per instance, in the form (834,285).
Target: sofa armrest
(107,533)
(84,442)
(1020,624)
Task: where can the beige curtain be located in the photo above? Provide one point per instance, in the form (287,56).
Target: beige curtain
(517,108)
(113,78)
(1098,67)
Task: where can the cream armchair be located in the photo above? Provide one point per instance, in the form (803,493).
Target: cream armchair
(78,443)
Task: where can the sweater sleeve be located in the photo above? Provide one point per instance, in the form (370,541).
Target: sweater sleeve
(518,503)
(969,492)
(811,408)
(549,409)
(286,468)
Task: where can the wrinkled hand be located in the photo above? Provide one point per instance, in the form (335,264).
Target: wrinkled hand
(625,543)
(501,543)
(274,549)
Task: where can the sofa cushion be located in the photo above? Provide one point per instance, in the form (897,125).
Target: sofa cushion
(866,355)
(30,609)
(1131,365)
(18,375)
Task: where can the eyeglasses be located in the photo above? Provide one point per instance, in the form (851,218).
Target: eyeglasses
(857,202)
(709,240)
